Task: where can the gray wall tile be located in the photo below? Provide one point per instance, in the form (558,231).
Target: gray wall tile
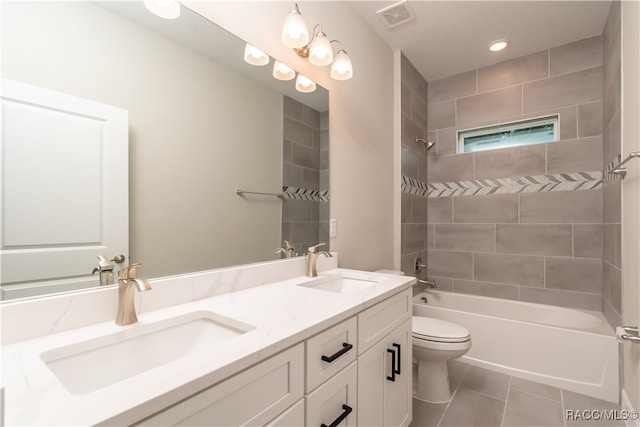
(410,131)
(298,132)
(612,286)
(568,89)
(419,209)
(581,54)
(293,108)
(501,208)
(510,162)
(456,86)
(590,119)
(578,155)
(584,206)
(538,239)
(414,237)
(306,156)
(509,269)
(457,265)
(447,142)
(514,71)
(488,106)
(487,289)
(405,99)
(574,274)
(560,298)
(465,237)
(441,115)
(587,240)
(409,163)
(450,168)
(440,210)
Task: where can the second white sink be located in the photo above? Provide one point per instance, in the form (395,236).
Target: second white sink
(340,284)
(93,364)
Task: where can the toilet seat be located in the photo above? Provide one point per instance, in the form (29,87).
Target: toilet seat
(437,330)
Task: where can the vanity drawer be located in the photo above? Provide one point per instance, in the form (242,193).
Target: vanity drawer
(254,396)
(330,351)
(335,400)
(376,322)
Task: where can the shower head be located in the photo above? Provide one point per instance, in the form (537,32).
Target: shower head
(427,144)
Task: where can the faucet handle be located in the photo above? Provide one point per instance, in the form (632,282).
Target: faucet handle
(313,248)
(129,272)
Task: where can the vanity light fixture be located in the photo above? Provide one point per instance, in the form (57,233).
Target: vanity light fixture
(305,84)
(167,9)
(255,56)
(319,51)
(498,45)
(282,71)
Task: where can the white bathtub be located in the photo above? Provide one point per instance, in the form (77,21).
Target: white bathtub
(571,349)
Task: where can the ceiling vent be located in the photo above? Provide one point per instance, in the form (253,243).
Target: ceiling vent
(396,14)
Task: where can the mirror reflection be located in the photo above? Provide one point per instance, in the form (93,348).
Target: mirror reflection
(201,123)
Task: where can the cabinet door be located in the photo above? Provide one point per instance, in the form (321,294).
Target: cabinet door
(397,394)
(253,397)
(384,380)
(333,403)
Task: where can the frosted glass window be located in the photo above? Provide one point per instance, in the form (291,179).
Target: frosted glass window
(514,134)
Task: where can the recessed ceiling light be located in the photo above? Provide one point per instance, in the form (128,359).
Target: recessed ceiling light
(498,45)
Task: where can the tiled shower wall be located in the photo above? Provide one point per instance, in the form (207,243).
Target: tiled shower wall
(612,290)
(540,246)
(305,166)
(414,165)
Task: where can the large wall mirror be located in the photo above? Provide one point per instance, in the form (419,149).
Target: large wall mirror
(201,124)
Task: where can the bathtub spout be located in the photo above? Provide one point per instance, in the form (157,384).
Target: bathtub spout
(430,283)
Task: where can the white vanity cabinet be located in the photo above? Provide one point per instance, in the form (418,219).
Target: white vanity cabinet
(355,372)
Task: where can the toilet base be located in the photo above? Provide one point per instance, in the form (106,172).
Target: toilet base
(433,381)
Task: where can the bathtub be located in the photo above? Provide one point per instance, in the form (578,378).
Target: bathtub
(571,349)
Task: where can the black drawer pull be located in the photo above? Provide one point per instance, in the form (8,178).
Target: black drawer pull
(345,347)
(345,414)
(397,371)
(393,365)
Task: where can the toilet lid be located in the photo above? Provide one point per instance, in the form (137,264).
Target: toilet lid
(431,329)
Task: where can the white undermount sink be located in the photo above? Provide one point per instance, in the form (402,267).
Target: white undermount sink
(96,363)
(341,283)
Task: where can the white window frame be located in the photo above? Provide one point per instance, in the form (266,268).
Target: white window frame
(509,126)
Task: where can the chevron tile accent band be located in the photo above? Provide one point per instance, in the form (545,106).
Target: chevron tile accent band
(296,193)
(523,184)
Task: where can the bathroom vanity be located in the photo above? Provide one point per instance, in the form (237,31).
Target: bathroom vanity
(259,345)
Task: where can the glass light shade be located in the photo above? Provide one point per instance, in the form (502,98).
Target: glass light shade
(282,72)
(305,84)
(320,51)
(255,56)
(341,69)
(167,9)
(294,30)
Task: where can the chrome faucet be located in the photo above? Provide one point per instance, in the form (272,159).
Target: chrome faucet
(288,250)
(312,259)
(127,282)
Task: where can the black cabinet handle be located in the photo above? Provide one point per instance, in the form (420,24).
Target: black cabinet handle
(345,347)
(393,365)
(397,371)
(347,410)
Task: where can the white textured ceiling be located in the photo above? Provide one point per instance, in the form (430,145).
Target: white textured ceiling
(451,37)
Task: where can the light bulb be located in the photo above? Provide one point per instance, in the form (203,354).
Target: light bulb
(294,30)
(498,45)
(320,51)
(341,69)
(282,72)
(255,56)
(305,84)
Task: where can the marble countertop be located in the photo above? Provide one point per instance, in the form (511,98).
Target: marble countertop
(282,313)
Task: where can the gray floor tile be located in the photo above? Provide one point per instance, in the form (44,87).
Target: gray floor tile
(538,389)
(583,410)
(456,372)
(487,382)
(524,409)
(427,414)
(468,408)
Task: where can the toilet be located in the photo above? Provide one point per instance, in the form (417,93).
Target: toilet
(435,342)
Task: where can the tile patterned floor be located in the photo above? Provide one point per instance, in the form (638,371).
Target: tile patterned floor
(486,398)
